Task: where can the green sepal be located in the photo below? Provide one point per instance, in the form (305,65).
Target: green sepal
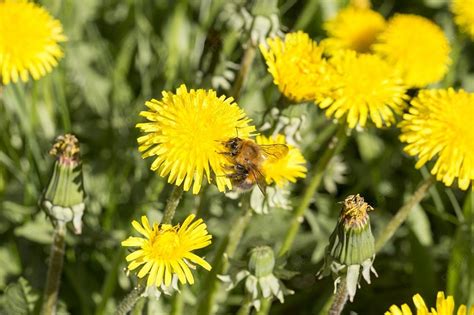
(351,245)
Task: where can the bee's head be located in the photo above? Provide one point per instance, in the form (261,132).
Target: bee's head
(233,144)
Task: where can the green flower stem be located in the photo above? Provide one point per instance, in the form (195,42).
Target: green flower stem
(245,65)
(246,305)
(340,298)
(172,204)
(403,213)
(265,304)
(336,145)
(177,304)
(55,267)
(129,301)
(227,249)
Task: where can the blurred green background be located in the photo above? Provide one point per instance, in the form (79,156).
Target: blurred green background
(120,54)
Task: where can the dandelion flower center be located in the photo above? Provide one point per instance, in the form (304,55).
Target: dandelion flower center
(438,125)
(363,86)
(421,55)
(164,242)
(185,133)
(28,41)
(353,28)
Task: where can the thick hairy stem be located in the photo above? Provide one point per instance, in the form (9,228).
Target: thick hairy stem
(333,148)
(340,298)
(55,268)
(403,212)
(172,204)
(129,301)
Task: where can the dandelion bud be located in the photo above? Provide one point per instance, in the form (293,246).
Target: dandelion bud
(351,245)
(262,261)
(63,199)
(262,279)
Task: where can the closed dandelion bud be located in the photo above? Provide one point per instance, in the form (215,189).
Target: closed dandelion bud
(351,249)
(63,199)
(352,241)
(262,261)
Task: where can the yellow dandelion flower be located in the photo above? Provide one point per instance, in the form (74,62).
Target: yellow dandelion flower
(365,87)
(296,65)
(444,306)
(29,40)
(463,11)
(417,46)
(287,169)
(185,132)
(438,124)
(166,250)
(353,28)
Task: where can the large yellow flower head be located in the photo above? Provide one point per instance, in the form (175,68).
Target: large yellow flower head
(296,65)
(438,124)
(444,306)
(364,87)
(29,40)
(417,46)
(287,169)
(185,133)
(166,250)
(463,11)
(353,28)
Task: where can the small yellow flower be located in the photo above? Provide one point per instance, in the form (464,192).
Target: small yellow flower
(29,40)
(296,65)
(185,132)
(353,28)
(438,124)
(417,46)
(463,11)
(166,250)
(364,87)
(444,306)
(287,169)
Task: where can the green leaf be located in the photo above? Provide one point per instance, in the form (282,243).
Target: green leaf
(20,298)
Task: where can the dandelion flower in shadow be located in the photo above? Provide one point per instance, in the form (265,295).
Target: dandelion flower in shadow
(29,41)
(185,133)
(444,306)
(463,11)
(417,46)
(363,87)
(437,126)
(287,169)
(353,28)
(297,66)
(165,251)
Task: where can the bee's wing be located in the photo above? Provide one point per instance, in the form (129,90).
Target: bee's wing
(259,179)
(274,152)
